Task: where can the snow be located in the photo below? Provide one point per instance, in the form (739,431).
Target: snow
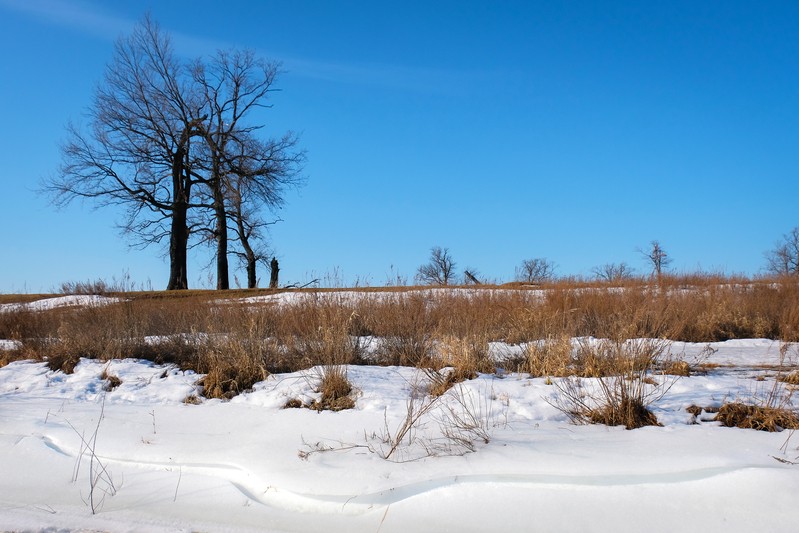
(9,344)
(60,301)
(250,465)
(348,296)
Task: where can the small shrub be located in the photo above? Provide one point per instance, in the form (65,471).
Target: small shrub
(111,381)
(441,382)
(624,389)
(293,403)
(192,399)
(335,389)
(791,379)
(762,418)
(63,362)
(677,368)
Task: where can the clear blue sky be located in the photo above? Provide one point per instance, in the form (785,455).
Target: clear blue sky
(575,131)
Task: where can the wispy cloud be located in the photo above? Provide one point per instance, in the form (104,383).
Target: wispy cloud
(76,15)
(410,78)
(93,19)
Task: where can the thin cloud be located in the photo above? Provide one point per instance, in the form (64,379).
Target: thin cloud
(416,79)
(75,15)
(89,19)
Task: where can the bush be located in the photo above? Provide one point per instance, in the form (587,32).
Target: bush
(623,388)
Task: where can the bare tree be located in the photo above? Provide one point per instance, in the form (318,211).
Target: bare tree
(657,257)
(783,259)
(248,230)
(167,139)
(137,151)
(613,272)
(242,171)
(440,270)
(535,270)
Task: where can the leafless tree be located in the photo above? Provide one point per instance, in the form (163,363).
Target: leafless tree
(613,272)
(164,139)
(783,259)
(657,257)
(440,270)
(248,230)
(242,171)
(535,270)
(137,150)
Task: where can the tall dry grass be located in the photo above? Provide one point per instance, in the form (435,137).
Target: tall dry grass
(237,344)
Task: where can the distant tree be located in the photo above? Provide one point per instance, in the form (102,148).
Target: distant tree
(783,259)
(440,270)
(657,258)
(613,272)
(536,270)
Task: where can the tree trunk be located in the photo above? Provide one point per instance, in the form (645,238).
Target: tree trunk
(179,231)
(252,278)
(249,253)
(222,272)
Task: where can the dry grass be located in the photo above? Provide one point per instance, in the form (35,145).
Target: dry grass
(549,357)
(622,389)
(767,409)
(677,368)
(629,412)
(442,381)
(762,418)
(335,390)
(791,379)
(111,381)
(236,345)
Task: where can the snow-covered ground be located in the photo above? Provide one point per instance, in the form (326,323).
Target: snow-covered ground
(250,465)
(46,304)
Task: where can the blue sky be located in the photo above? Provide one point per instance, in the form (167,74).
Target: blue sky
(575,131)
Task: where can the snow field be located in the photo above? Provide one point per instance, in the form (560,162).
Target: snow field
(250,465)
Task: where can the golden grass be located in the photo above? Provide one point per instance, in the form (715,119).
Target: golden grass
(236,344)
(762,418)
(335,390)
(791,378)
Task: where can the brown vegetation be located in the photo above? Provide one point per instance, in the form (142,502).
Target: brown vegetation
(623,387)
(763,418)
(236,344)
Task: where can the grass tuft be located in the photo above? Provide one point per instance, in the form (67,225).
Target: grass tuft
(631,413)
(111,381)
(762,418)
(335,390)
(442,381)
(790,379)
